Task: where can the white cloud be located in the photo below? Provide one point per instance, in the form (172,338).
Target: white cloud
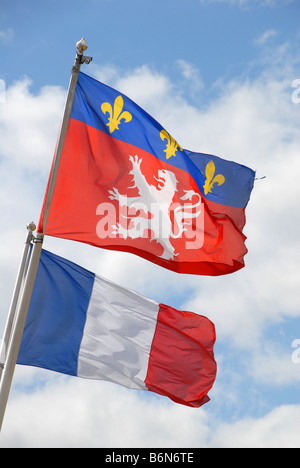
(144,85)
(6,35)
(73,413)
(69,412)
(29,125)
(266,36)
(28,131)
(278,429)
(191,74)
(273,365)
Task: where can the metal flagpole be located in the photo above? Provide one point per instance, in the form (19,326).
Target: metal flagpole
(19,320)
(16,294)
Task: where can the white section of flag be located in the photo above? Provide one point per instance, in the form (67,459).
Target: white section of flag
(118,334)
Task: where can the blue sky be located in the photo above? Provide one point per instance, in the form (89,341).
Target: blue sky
(218,75)
(220,38)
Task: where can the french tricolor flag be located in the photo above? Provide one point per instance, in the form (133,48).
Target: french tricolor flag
(83,325)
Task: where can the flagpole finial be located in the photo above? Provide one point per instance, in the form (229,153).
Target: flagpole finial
(81,46)
(31,226)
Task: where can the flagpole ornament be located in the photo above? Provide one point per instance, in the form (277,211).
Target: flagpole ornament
(31,226)
(81,47)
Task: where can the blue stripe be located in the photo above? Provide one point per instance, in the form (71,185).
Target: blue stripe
(57,315)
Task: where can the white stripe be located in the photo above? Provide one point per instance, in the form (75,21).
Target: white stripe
(117,336)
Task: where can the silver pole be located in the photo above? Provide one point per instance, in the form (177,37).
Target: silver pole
(79,60)
(15,298)
(18,328)
(22,309)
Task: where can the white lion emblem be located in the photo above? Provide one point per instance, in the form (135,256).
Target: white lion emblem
(152,209)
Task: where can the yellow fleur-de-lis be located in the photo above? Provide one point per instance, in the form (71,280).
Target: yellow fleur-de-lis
(210,179)
(116,114)
(172,145)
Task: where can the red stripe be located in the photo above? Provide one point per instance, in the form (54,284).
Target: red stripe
(181,364)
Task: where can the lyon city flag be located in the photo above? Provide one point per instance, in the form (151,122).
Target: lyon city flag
(125,184)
